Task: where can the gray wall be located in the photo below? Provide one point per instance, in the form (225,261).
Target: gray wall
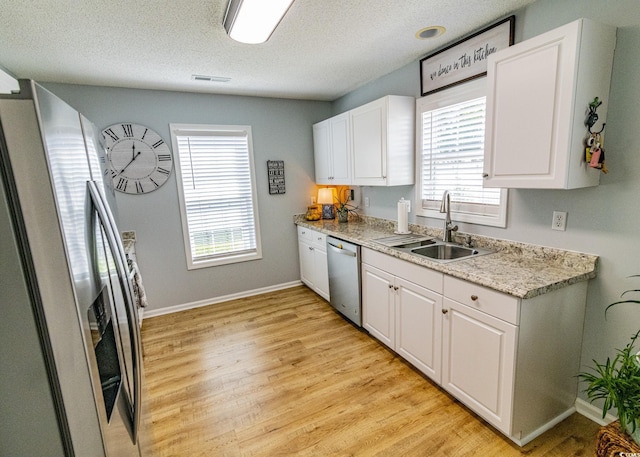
(603,220)
(281,131)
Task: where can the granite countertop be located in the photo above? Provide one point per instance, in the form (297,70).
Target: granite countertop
(517,269)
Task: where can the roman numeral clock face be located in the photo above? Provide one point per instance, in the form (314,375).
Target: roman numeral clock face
(139,160)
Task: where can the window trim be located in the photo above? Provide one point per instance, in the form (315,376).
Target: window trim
(458,94)
(211,130)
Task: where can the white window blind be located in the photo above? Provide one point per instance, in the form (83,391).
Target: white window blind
(218,195)
(451,130)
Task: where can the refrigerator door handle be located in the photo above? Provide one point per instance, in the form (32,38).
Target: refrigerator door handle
(106,218)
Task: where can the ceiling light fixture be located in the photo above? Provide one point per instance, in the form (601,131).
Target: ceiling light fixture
(253,21)
(430,32)
(213,79)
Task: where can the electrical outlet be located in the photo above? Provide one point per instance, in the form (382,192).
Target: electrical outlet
(313,199)
(366,201)
(559,220)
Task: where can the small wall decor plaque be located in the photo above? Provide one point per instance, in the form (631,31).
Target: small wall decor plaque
(466,59)
(275,168)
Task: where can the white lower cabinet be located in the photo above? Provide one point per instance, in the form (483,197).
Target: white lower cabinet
(478,361)
(378,312)
(418,330)
(400,313)
(512,361)
(314,270)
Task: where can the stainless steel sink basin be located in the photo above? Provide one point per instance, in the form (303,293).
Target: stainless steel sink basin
(430,248)
(403,241)
(448,252)
(444,252)
(415,244)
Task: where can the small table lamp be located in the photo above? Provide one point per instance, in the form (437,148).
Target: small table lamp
(325,198)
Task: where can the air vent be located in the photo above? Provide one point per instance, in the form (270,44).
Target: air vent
(211,79)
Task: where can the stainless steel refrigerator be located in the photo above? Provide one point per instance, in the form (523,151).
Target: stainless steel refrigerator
(71,359)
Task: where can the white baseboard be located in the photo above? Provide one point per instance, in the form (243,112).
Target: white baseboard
(593,412)
(548,426)
(210,301)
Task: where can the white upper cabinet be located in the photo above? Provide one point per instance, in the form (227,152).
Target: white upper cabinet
(372,145)
(382,138)
(332,150)
(537,102)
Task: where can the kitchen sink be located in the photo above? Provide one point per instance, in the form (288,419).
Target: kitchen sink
(444,252)
(404,241)
(430,248)
(415,244)
(447,252)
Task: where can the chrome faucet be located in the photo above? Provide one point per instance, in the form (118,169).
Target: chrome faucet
(445,207)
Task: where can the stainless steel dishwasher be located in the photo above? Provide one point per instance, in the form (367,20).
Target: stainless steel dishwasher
(344,278)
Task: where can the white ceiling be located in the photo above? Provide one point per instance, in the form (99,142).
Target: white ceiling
(321,50)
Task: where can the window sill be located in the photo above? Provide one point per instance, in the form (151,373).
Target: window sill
(497,220)
(227,260)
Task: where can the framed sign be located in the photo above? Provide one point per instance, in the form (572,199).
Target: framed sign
(275,168)
(465,59)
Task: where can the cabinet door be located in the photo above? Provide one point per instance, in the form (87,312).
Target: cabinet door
(528,112)
(537,96)
(322,152)
(369,143)
(378,313)
(340,149)
(419,327)
(321,280)
(478,362)
(307,262)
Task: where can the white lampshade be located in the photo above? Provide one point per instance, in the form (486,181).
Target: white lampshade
(325,196)
(253,21)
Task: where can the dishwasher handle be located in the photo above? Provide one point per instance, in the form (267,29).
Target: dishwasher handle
(340,249)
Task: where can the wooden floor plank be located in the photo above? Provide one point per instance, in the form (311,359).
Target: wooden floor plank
(281,374)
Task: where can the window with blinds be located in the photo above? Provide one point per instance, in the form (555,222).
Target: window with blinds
(217,194)
(450,156)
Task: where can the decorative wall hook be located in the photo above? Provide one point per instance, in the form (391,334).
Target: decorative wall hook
(592,117)
(594,142)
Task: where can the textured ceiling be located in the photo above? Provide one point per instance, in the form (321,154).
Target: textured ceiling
(322,49)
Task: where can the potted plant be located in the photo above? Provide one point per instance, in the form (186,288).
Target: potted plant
(343,208)
(617,382)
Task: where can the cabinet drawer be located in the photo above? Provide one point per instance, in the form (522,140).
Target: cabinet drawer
(316,239)
(319,240)
(483,299)
(305,234)
(416,274)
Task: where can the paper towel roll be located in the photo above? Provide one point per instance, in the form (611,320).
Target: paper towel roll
(403,216)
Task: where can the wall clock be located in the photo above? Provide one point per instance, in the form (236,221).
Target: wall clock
(139,161)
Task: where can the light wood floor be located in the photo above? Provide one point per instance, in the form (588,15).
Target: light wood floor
(281,374)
